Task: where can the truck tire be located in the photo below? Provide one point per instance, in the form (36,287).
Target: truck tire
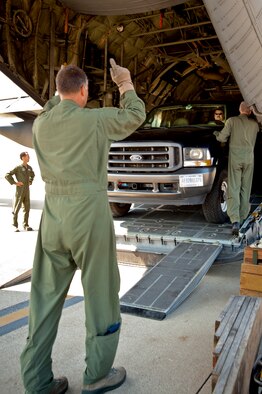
(215,205)
(118,209)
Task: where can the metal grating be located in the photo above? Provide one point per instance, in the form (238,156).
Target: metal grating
(171,281)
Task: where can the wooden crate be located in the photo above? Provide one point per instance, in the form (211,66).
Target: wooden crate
(251,272)
(237,336)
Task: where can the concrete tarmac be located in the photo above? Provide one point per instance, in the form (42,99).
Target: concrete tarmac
(172,356)
(169,356)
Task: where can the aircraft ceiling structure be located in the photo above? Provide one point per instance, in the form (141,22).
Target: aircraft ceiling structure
(119,7)
(172,49)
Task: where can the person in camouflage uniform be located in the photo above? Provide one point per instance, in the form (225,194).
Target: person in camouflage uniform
(24,175)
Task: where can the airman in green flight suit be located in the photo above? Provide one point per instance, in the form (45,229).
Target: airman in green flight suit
(24,175)
(241,131)
(76,231)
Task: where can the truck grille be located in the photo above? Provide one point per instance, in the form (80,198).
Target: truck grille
(142,157)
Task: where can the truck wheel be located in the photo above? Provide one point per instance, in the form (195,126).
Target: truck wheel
(215,205)
(119,209)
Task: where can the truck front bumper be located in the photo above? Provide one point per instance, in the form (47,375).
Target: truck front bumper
(185,187)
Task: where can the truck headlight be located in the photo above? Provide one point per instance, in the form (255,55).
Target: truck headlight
(197,157)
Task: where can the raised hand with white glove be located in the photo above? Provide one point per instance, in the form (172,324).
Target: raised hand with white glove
(121,76)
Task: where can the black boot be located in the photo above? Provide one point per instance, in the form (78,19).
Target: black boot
(235,228)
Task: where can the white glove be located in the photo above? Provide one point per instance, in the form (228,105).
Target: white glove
(121,76)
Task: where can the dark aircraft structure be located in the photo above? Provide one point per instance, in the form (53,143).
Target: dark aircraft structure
(172,52)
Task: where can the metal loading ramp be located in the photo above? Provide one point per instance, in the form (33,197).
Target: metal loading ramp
(171,281)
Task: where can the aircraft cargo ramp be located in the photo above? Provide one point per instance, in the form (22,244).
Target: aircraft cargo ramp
(179,244)
(167,284)
(190,246)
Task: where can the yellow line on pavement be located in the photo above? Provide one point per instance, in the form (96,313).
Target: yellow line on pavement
(13,316)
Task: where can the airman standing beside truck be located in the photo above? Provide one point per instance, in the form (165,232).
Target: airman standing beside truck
(241,131)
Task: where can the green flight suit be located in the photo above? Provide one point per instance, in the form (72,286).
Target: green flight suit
(26,175)
(76,231)
(241,132)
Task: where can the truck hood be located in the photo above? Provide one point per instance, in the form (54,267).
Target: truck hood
(186,136)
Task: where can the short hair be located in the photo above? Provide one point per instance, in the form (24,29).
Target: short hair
(219,109)
(23,154)
(244,108)
(69,79)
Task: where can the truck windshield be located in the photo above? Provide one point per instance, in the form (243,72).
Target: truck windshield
(182,115)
